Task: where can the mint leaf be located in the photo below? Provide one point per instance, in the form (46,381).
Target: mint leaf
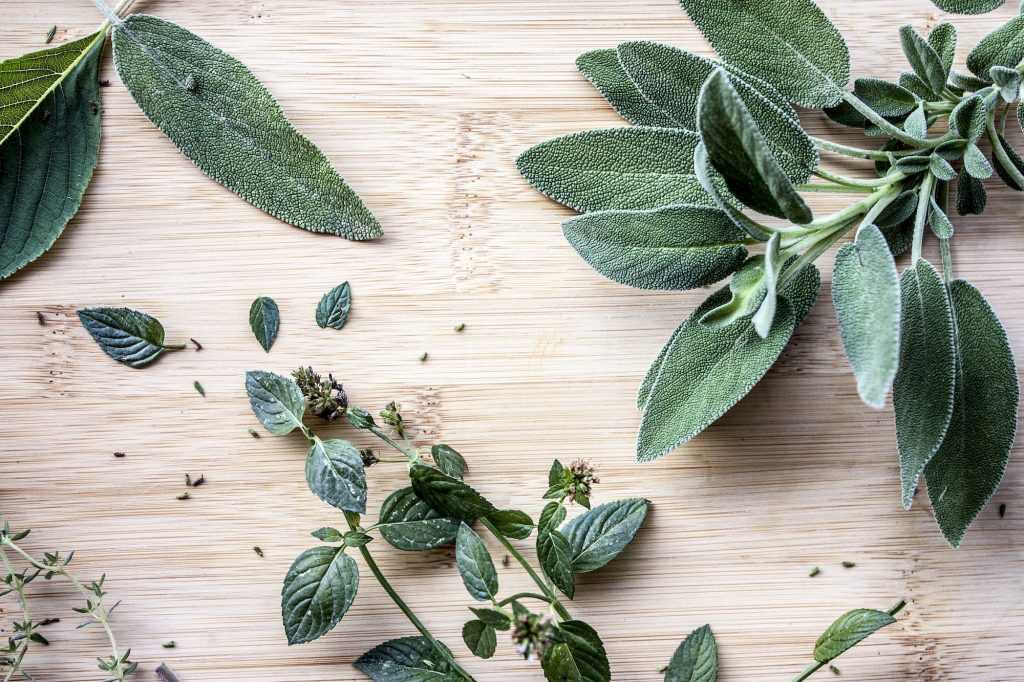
(967,468)
(579,648)
(848,630)
(1002,47)
(496,618)
(696,659)
(600,534)
(408,523)
(448,495)
(602,69)
(222,117)
(448,460)
(409,659)
(335,474)
(276,401)
(49,145)
(264,320)
(332,311)
(318,590)
(555,557)
(475,565)
(559,666)
(328,534)
(512,523)
(480,638)
(126,335)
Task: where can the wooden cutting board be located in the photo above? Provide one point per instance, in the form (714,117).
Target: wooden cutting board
(423,106)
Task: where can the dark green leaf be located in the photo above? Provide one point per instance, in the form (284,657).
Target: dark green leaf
(848,630)
(496,618)
(940,168)
(555,557)
(448,495)
(888,99)
(354,538)
(924,59)
(222,118)
(602,68)
(318,590)
(408,523)
(448,460)
(599,535)
(899,210)
(409,659)
(551,517)
(264,320)
(335,474)
(676,247)
(914,164)
(475,565)
(556,473)
(967,469)
(584,651)
(971,196)
(912,82)
(696,659)
(333,309)
(513,523)
(1002,47)
(1005,170)
(126,335)
(276,401)
(968,6)
(327,534)
(480,638)
(559,666)
(966,82)
(714,185)
(968,118)
(923,388)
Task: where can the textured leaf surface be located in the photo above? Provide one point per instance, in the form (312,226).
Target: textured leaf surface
(585,650)
(696,659)
(335,474)
(888,99)
(475,565)
(409,659)
(480,638)
(222,117)
(849,629)
(789,43)
(924,59)
(704,371)
(448,495)
(513,523)
(49,145)
(602,68)
(620,168)
(448,460)
(333,309)
(1002,47)
(600,534)
(410,524)
(264,320)
(276,400)
(126,335)
(923,389)
(866,294)
(971,196)
(967,469)
(968,6)
(318,590)
(676,247)
(555,557)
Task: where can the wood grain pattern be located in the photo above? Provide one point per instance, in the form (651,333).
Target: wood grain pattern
(423,106)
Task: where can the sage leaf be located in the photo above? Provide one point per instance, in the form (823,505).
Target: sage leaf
(335,474)
(866,294)
(737,150)
(126,335)
(924,384)
(264,320)
(971,196)
(49,145)
(408,523)
(409,659)
(600,534)
(620,168)
(976,164)
(333,309)
(602,69)
(318,590)
(276,401)
(747,289)
(1009,174)
(1008,82)
(1002,47)
(448,495)
(924,59)
(475,565)
(512,523)
(943,40)
(714,185)
(967,469)
(480,638)
(704,371)
(848,630)
(696,659)
(968,6)
(888,99)
(939,221)
(555,557)
(969,117)
(219,115)
(917,123)
(941,168)
(765,314)
(583,651)
(676,247)
(789,43)
(448,460)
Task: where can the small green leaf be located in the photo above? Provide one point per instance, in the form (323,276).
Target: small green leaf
(328,534)
(222,117)
(923,388)
(676,247)
(335,474)
(513,523)
(696,659)
(276,401)
(765,315)
(737,150)
(496,618)
(409,659)
(318,590)
(917,123)
(475,565)
(602,68)
(551,517)
(888,99)
(924,59)
(559,666)
(939,221)
(583,651)
(408,523)
(126,335)
(798,50)
(968,6)
(264,320)
(847,631)
(354,538)
(1008,82)
(866,293)
(967,469)
(1002,47)
(448,495)
(600,534)
(555,557)
(448,460)
(940,168)
(333,309)
(968,119)
(976,164)
(480,638)
(971,196)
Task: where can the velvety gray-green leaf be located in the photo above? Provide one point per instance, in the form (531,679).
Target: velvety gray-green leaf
(971,196)
(318,590)
(619,168)
(264,320)
(1012,169)
(222,117)
(276,400)
(789,43)
(737,150)
(335,474)
(888,99)
(448,495)
(448,460)
(126,335)
(967,469)
(408,523)
(676,247)
(1002,47)
(475,565)
(924,59)
(847,631)
(923,388)
(696,659)
(968,118)
(555,557)
(585,650)
(968,6)
(939,221)
(333,309)
(480,638)
(600,534)
(715,187)
(765,314)
(866,294)
(1008,82)
(512,523)
(942,39)
(409,659)
(49,145)
(975,163)
(602,68)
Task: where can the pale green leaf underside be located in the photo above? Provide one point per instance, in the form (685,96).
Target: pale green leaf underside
(276,401)
(222,117)
(333,309)
(696,659)
(408,523)
(126,335)
(409,659)
(600,534)
(264,320)
(475,565)
(848,630)
(50,130)
(318,590)
(602,69)
(335,474)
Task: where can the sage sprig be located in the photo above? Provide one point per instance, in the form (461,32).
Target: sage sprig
(671,203)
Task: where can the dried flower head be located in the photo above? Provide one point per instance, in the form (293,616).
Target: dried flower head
(584,478)
(392,416)
(533,634)
(326,397)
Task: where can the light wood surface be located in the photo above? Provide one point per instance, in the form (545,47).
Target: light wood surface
(423,106)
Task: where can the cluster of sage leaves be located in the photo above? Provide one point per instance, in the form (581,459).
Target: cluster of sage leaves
(663,204)
(215,111)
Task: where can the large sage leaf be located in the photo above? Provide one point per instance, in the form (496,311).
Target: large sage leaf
(318,590)
(866,294)
(264,320)
(671,79)
(448,495)
(1002,47)
(704,371)
(602,68)
(332,310)
(408,523)
(475,565)
(738,150)
(222,117)
(789,43)
(600,534)
(276,400)
(579,648)
(126,335)
(696,659)
(922,392)
(409,659)
(335,474)
(968,6)
(967,469)
(620,168)
(49,145)
(848,630)
(676,247)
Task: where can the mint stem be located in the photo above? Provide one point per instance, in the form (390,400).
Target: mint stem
(524,595)
(529,569)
